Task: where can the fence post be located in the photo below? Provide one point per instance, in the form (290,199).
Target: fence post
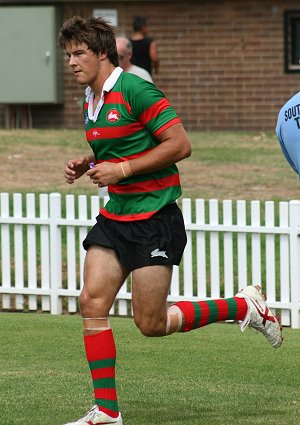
(295,261)
(55,253)
(214,250)
(19,249)
(5,250)
(284,273)
(188,252)
(31,250)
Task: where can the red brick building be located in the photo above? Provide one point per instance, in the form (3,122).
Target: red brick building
(224,64)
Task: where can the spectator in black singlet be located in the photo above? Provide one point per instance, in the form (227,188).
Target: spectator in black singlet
(144,49)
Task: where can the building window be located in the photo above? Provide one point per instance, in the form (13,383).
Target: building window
(292,40)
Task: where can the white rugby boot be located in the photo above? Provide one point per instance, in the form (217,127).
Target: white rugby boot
(259,316)
(97,417)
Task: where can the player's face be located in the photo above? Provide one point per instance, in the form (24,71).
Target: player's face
(84,63)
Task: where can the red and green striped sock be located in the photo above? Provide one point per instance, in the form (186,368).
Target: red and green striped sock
(202,313)
(101,355)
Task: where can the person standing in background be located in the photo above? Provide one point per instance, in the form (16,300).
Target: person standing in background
(124,48)
(144,48)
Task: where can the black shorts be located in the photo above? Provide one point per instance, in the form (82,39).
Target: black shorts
(159,240)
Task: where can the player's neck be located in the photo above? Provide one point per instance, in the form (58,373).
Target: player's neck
(103,75)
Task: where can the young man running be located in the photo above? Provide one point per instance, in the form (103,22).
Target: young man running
(137,139)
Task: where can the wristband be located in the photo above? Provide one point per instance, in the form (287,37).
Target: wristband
(123,170)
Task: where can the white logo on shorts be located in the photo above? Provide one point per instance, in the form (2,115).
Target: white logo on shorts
(157,253)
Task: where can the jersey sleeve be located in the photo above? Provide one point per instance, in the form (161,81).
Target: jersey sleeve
(153,110)
(288,134)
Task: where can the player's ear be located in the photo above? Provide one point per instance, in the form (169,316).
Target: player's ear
(102,56)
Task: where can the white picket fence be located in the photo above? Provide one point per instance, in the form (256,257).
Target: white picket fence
(230,244)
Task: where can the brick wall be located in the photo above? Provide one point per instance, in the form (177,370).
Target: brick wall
(222,62)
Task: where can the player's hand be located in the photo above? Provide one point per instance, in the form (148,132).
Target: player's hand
(75,168)
(103,174)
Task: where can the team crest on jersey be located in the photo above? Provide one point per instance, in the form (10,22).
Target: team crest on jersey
(113,115)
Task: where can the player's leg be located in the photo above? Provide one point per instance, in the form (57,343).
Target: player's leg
(150,290)
(151,284)
(103,277)
(248,306)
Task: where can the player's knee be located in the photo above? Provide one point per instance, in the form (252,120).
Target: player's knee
(82,301)
(151,326)
(85,306)
(92,307)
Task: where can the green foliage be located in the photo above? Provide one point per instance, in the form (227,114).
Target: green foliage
(212,376)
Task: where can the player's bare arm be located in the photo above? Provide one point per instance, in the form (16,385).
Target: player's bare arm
(174,146)
(75,168)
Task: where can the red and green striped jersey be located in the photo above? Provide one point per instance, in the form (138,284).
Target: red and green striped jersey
(134,113)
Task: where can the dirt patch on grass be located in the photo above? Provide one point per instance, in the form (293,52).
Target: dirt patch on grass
(37,168)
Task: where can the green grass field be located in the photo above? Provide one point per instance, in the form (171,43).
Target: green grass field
(212,376)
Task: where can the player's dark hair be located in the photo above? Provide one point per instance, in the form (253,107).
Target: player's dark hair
(139,22)
(96,33)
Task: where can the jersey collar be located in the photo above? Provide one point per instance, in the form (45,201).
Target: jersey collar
(107,86)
